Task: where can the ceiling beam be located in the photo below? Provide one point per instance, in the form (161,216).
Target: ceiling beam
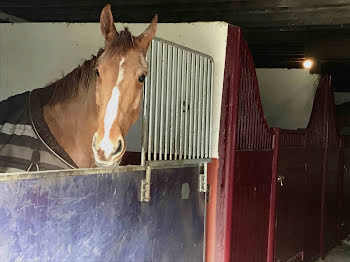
(11,19)
(247,14)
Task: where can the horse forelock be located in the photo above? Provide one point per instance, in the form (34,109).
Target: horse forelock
(121,44)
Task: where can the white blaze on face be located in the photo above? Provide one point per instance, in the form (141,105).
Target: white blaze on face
(111,113)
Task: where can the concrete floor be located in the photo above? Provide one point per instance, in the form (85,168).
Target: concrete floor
(339,254)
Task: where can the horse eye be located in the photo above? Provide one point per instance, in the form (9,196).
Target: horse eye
(142,78)
(97,73)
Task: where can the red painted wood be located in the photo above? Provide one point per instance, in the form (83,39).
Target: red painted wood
(253,131)
(346,194)
(315,134)
(227,143)
(332,179)
(331,199)
(341,170)
(273,195)
(242,122)
(251,202)
(290,208)
(324,173)
(211,210)
(255,220)
(251,191)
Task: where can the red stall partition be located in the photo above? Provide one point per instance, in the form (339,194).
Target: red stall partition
(246,150)
(252,172)
(278,190)
(343,124)
(332,179)
(315,149)
(308,192)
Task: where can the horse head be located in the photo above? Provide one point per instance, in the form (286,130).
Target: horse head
(121,72)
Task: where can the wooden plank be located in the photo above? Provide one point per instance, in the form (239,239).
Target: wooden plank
(242,13)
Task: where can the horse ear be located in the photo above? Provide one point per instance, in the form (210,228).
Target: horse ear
(107,24)
(145,38)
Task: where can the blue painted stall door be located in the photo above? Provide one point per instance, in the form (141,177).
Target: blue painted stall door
(99,218)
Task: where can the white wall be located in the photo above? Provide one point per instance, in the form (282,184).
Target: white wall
(287,96)
(32,55)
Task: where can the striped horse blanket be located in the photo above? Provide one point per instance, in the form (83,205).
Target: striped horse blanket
(26,143)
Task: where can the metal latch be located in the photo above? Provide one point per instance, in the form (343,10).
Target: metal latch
(280,179)
(146,186)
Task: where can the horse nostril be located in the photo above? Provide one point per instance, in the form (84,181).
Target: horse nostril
(119,148)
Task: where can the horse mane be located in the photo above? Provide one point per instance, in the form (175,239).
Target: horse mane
(121,44)
(67,87)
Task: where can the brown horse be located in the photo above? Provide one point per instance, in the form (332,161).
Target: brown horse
(93,107)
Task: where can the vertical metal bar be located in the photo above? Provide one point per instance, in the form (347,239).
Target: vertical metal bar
(195,105)
(168,93)
(187,108)
(157,87)
(178,88)
(162,104)
(204,111)
(146,89)
(152,80)
(173,90)
(190,134)
(207,116)
(182,101)
(199,103)
(210,108)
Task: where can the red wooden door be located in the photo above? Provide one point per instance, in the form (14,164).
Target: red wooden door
(251,202)
(313,204)
(290,205)
(331,180)
(315,149)
(331,201)
(346,193)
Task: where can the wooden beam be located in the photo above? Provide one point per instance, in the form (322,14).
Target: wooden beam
(247,14)
(10,18)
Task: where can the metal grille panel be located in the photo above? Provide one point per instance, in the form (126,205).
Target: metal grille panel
(177,110)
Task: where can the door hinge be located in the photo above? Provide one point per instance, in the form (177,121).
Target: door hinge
(203,179)
(208,193)
(146,186)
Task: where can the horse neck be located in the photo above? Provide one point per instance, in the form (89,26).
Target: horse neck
(74,122)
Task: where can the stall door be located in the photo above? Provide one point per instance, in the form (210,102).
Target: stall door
(290,205)
(251,203)
(331,199)
(97,217)
(346,195)
(313,204)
